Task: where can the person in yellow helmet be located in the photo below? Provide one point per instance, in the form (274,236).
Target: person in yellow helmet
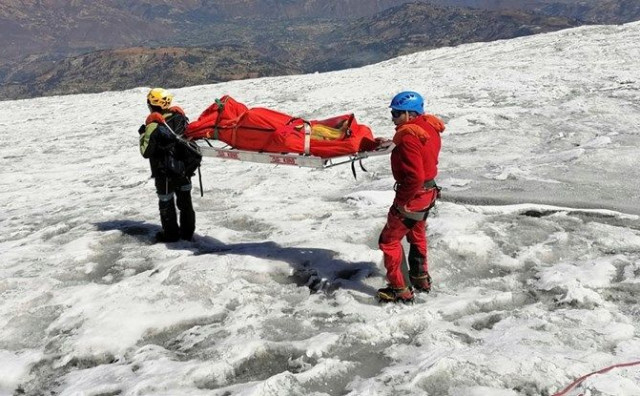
(158,142)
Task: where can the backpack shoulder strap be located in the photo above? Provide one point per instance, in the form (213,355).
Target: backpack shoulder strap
(154,117)
(178,110)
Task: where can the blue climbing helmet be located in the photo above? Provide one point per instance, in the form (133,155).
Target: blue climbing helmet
(408,101)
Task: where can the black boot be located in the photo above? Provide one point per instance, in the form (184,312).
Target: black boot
(170,230)
(391,294)
(420,279)
(187,215)
(421,283)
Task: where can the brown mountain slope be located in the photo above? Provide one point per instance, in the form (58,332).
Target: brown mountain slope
(419,26)
(127,68)
(592,11)
(71,27)
(267,49)
(65,26)
(596,11)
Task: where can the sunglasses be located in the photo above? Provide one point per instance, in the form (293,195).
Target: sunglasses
(397,113)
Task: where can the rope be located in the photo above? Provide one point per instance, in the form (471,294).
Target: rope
(200,180)
(584,377)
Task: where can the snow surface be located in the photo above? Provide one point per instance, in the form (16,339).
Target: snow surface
(534,249)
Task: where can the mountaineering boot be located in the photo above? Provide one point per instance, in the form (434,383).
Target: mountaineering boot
(187,215)
(391,294)
(170,230)
(421,283)
(418,274)
(161,237)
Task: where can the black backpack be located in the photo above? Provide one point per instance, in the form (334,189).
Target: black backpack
(186,154)
(189,154)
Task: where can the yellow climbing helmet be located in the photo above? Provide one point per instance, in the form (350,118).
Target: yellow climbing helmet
(159,97)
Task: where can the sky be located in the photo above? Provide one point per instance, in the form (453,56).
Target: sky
(534,246)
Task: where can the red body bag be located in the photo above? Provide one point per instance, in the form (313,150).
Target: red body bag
(264,130)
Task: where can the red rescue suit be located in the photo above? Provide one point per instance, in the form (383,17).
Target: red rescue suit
(414,164)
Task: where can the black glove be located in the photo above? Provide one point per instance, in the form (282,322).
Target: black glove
(142,129)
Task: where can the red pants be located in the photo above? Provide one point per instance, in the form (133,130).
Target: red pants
(390,243)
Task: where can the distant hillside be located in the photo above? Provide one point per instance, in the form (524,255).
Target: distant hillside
(596,11)
(419,26)
(126,68)
(245,49)
(591,11)
(69,27)
(64,26)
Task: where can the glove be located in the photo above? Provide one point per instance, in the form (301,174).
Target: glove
(142,129)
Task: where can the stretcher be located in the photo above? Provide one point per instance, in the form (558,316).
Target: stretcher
(295,159)
(267,136)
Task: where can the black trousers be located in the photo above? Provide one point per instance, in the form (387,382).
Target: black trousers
(172,190)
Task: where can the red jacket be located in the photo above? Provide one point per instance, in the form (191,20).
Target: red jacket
(414,160)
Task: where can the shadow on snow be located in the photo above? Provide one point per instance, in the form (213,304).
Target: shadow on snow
(318,269)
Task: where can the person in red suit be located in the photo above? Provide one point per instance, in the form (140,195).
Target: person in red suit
(414,164)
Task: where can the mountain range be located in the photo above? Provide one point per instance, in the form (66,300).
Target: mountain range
(62,46)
